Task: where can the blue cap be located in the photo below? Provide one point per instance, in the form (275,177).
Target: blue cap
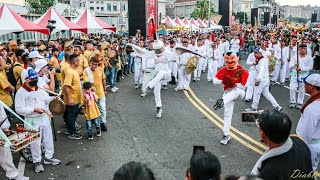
(232,52)
(257,50)
(32,74)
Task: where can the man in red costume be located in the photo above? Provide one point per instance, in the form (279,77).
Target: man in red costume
(233,77)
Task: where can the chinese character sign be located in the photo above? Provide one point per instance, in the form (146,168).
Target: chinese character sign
(152,11)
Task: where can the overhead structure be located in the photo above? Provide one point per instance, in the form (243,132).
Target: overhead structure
(61,23)
(11,22)
(92,23)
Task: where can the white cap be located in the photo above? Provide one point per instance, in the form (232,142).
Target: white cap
(35,54)
(40,64)
(313,79)
(157,44)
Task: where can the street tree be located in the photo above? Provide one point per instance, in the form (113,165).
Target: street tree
(39,6)
(201,10)
(243,17)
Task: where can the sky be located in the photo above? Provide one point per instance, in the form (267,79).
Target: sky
(299,2)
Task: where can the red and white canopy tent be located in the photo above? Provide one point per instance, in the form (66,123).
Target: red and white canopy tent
(178,21)
(61,22)
(194,24)
(201,24)
(168,22)
(11,22)
(92,23)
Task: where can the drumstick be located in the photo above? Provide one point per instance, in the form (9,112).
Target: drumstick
(51,92)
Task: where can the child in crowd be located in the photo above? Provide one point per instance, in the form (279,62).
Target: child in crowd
(91,110)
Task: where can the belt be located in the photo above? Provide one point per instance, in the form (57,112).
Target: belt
(315,141)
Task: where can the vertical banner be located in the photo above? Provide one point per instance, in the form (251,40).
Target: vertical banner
(152,11)
(230,13)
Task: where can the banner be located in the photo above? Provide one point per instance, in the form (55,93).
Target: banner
(230,13)
(152,11)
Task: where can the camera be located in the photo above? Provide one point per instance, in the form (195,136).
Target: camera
(57,69)
(251,116)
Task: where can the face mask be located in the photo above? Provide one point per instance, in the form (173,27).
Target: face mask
(33,83)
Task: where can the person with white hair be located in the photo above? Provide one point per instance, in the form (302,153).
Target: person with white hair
(308,127)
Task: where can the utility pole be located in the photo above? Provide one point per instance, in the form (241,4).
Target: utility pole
(209,12)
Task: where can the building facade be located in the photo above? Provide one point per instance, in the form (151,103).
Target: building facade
(300,11)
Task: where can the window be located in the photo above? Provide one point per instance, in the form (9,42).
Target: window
(97,2)
(102,8)
(246,5)
(101,2)
(123,7)
(91,2)
(108,6)
(92,8)
(115,8)
(97,7)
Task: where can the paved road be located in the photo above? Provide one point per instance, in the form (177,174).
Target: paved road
(165,144)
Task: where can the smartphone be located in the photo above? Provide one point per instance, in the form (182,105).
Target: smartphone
(250,116)
(197,148)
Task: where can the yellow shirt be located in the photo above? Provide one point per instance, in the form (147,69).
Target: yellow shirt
(83,64)
(91,112)
(64,67)
(55,63)
(4,74)
(98,77)
(5,96)
(17,70)
(87,54)
(72,80)
(42,47)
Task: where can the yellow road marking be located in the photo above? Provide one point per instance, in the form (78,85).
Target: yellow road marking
(221,126)
(221,120)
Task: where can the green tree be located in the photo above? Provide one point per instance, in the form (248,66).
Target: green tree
(39,6)
(201,10)
(242,16)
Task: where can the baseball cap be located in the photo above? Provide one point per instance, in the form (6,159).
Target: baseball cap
(257,50)
(40,64)
(313,79)
(32,74)
(35,54)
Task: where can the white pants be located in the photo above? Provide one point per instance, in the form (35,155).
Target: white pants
(204,64)
(263,88)
(146,79)
(221,62)
(42,124)
(173,68)
(228,100)
(184,78)
(315,155)
(212,69)
(6,162)
(288,71)
(156,84)
(280,70)
(293,93)
(138,75)
(197,72)
(250,85)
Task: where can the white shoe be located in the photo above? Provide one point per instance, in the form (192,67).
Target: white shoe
(136,86)
(143,95)
(194,79)
(225,140)
(279,108)
(113,90)
(52,161)
(198,79)
(292,105)
(250,110)
(116,88)
(299,106)
(159,112)
(177,89)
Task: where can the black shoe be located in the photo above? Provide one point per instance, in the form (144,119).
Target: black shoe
(218,104)
(104,127)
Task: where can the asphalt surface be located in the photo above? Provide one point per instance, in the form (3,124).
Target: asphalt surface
(166,144)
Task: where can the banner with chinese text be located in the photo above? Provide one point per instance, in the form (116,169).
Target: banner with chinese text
(152,11)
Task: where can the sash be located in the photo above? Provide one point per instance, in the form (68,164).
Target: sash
(90,75)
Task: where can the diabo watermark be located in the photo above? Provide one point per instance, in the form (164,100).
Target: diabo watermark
(297,174)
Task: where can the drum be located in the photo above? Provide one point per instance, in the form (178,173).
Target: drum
(192,64)
(111,53)
(57,107)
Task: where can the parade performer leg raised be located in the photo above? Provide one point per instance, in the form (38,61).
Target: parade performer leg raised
(233,77)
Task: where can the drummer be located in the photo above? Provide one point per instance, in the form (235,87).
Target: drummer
(6,160)
(31,103)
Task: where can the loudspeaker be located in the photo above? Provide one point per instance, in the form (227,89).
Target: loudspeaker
(275,20)
(254,14)
(266,18)
(313,18)
(137,17)
(224,11)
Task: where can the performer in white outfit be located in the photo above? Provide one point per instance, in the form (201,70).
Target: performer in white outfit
(184,77)
(308,127)
(234,78)
(213,54)
(32,103)
(292,54)
(148,69)
(235,44)
(251,61)
(173,66)
(262,82)
(138,74)
(224,47)
(282,63)
(200,49)
(6,160)
(300,69)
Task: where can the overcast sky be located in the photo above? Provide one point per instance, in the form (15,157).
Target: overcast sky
(299,2)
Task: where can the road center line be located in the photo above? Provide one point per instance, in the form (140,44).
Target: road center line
(221,126)
(221,120)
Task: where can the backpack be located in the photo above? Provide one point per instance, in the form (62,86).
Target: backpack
(12,80)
